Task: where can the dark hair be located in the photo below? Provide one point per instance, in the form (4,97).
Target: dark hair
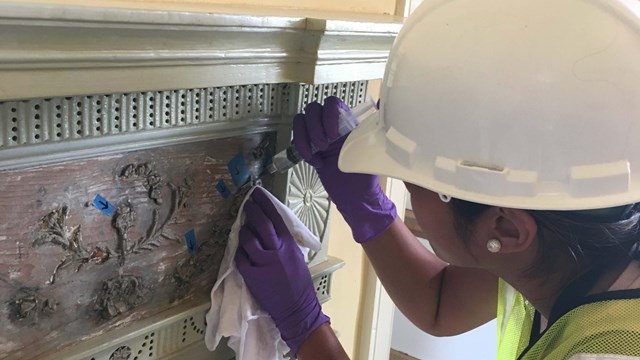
(593,237)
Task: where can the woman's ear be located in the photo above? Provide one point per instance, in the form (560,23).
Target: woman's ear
(515,229)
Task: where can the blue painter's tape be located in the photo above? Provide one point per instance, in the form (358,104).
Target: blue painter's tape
(239,171)
(190,237)
(103,205)
(223,189)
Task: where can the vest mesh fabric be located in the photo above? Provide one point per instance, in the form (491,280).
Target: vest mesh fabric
(602,327)
(515,318)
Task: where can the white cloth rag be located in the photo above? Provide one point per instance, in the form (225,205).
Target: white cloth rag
(234,313)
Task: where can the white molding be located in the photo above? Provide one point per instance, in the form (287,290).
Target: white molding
(378,308)
(49,50)
(44,154)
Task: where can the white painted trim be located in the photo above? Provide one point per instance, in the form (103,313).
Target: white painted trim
(403,8)
(43,154)
(376,319)
(378,309)
(49,50)
(406,7)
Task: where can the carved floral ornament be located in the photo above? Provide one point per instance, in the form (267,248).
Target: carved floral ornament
(54,230)
(122,292)
(138,226)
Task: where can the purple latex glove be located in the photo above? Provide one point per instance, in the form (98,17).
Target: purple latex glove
(275,272)
(358,197)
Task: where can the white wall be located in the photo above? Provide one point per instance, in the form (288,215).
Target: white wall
(476,344)
(479,343)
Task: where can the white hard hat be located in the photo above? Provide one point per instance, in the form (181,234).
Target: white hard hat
(531,104)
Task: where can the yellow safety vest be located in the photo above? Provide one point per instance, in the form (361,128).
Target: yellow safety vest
(604,326)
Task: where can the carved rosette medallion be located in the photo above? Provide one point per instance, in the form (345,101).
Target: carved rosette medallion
(308,199)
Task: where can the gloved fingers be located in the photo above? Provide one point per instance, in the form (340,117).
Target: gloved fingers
(331,115)
(257,220)
(315,128)
(249,243)
(301,141)
(243,264)
(261,199)
(249,271)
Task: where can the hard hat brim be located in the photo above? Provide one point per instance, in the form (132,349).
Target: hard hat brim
(365,151)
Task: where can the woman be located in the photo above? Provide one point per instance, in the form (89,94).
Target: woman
(515,126)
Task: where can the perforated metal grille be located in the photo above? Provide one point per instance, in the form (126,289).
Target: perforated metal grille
(67,118)
(169,337)
(138,348)
(193,328)
(352,93)
(60,119)
(322,285)
(156,342)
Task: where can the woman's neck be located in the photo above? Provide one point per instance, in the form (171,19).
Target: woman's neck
(540,292)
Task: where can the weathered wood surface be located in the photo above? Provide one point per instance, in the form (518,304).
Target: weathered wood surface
(70,315)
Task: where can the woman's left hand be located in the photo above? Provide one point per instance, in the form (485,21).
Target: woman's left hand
(275,272)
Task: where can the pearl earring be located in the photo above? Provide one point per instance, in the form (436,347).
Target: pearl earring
(494,245)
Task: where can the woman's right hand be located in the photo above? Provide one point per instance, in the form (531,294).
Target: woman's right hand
(358,197)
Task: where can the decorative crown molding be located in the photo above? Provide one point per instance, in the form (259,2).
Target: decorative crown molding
(54,50)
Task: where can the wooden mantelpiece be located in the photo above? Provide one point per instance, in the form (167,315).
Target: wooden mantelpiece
(52,50)
(46,194)
(87,91)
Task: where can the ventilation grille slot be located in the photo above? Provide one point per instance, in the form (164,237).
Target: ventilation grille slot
(323,286)
(353,93)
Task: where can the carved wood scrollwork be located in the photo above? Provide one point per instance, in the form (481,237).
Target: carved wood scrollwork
(158,196)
